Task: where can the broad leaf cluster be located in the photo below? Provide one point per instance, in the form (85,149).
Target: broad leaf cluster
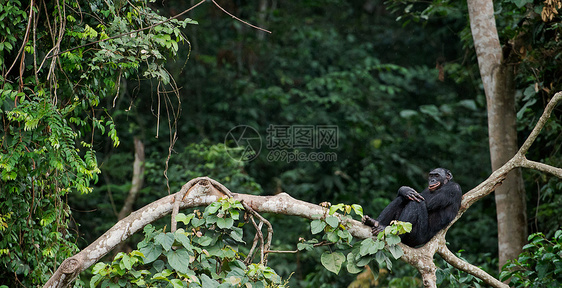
(202,254)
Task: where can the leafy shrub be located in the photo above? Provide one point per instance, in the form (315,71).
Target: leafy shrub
(540,264)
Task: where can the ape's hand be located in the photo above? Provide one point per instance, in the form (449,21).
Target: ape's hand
(410,193)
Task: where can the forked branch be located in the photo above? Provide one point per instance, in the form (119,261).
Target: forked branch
(490,184)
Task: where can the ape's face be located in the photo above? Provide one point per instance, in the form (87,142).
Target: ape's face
(438,177)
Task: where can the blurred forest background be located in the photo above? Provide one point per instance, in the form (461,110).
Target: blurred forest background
(399,80)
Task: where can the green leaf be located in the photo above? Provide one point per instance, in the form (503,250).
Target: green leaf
(408,113)
(469,104)
(165,239)
(335,208)
(237,234)
(367,246)
(358,209)
(392,239)
(159,265)
(379,244)
(211,219)
(345,235)
(96,280)
(558,234)
(183,239)
(179,260)
(305,246)
(184,218)
(163,274)
(332,261)
(333,221)
(208,282)
(225,223)
(177,283)
(332,236)
(127,261)
(351,265)
(99,267)
(396,251)
(317,226)
(431,110)
(203,240)
(151,252)
(380,257)
(196,222)
(234,214)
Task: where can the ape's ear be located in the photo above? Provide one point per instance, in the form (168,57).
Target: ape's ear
(449,175)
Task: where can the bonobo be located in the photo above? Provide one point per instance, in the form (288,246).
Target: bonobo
(428,212)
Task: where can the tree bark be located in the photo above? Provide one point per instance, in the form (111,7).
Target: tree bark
(498,80)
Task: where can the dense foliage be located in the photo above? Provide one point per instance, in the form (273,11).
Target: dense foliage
(52,107)
(539,265)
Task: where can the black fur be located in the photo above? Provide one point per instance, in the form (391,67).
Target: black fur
(428,212)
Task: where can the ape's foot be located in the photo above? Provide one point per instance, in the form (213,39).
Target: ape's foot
(377,229)
(369,221)
(376,226)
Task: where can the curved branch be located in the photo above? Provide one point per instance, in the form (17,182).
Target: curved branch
(460,264)
(478,192)
(201,194)
(229,14)
(519,160)
(264,247)
(542,167)
(259,236)
(198,192)
(540,124)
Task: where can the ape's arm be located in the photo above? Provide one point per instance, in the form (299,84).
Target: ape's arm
(410,194)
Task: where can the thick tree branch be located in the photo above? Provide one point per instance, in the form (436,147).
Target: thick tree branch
(201,194)
(422,258)
(198,192)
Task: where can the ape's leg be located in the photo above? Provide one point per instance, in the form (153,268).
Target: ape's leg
(415,213)
(392,211)
(389,213)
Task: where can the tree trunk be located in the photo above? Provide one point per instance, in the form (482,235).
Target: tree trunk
(497,77)
(137,181)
